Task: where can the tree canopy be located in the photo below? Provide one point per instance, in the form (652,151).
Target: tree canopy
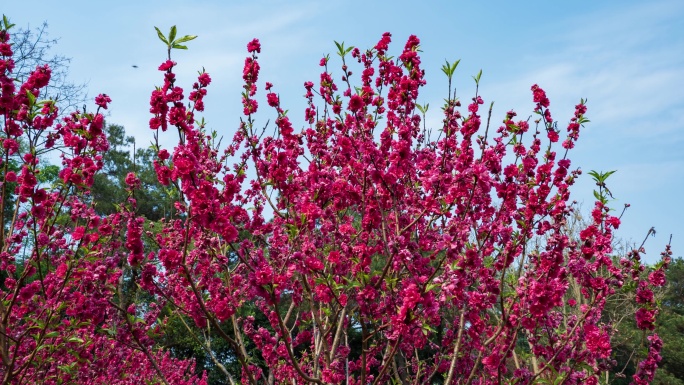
(360,247)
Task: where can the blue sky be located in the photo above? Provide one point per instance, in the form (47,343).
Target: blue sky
(625,57)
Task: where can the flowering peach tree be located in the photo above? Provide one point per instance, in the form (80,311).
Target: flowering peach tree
(60,263)
(373,248)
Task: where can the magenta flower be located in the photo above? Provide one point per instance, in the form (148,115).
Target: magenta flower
(254,46)
(103,100)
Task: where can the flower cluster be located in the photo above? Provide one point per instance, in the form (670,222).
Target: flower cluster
(451,245)
(365,249)
(60,261)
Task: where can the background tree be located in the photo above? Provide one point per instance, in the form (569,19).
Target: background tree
(153,200)
(181,337)
(671,327)
(33,47)
(629,341)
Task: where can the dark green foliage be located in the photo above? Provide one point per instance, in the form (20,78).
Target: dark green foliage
(671,328)
(153,200)
(185,340)
(629,344)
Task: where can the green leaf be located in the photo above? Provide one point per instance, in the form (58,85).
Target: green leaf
(41,347)
(600,177)
(5,20)
(445,68)
(450,68)
(598,196)
(477,78)
(161,36)
(341,50)
(52,334)
(172,34)
(179,46)
(431,287)
(68,368)
(31,97)
(186,38)
(423,109)
(453,66)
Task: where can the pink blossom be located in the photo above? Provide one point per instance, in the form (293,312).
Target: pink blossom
(657,278)
(103,100)
(272,99)
(254,46)
(204,79)
(167,65)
